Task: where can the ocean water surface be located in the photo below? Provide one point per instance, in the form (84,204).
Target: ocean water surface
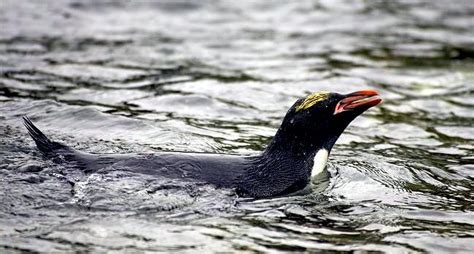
(218,76)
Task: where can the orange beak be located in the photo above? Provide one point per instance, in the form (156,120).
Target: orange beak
(363,99)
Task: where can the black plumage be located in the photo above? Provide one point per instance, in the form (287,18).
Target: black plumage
(311,124)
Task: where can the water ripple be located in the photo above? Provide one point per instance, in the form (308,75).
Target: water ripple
(206,76)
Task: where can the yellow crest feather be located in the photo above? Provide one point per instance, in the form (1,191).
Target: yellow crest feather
(312,99)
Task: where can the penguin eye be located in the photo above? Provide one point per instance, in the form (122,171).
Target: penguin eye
(312,100)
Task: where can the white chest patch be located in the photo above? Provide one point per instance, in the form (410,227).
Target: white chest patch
(320,160)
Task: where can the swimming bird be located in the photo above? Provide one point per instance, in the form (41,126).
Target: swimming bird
(298,151)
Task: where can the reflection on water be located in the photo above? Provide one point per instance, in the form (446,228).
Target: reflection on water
(206,76)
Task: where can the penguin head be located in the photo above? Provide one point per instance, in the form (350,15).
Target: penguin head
(318,120)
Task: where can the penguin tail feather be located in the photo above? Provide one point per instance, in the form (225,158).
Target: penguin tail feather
(44,144)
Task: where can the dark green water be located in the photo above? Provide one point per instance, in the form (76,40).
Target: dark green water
(218,76)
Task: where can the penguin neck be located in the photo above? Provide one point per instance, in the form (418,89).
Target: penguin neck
(311,157)
(282,169)
(300,147)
